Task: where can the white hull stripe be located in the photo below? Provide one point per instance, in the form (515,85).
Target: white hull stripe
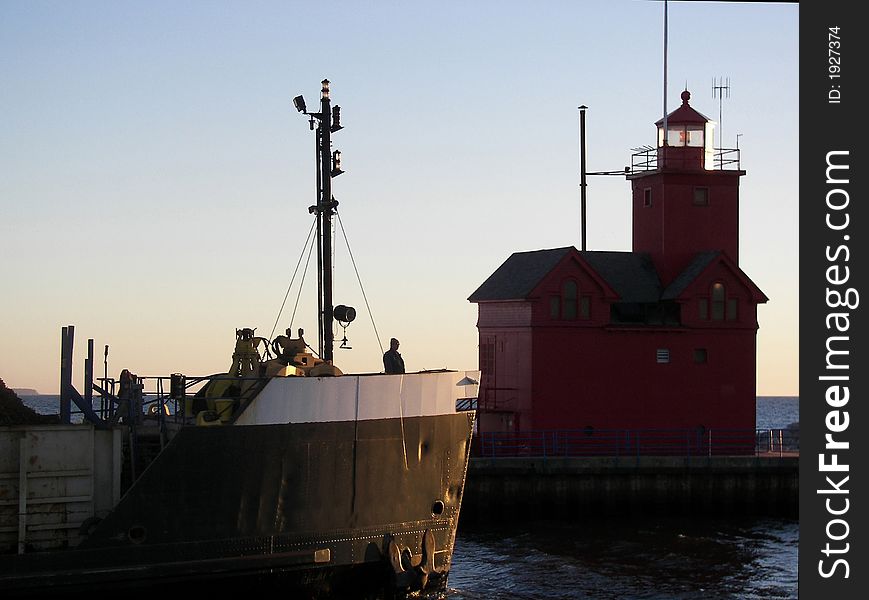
(359,397)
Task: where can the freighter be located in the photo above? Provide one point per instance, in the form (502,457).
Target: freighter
(282,472)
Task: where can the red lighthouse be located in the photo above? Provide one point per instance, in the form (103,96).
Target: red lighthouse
(659,338)
(685,194)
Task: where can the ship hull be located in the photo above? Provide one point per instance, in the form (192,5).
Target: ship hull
(362,506)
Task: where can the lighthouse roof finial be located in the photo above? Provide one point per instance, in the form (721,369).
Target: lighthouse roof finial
(684,114)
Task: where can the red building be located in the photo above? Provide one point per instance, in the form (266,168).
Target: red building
(662,337)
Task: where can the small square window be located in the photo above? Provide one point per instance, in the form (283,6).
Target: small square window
(701,196)
(647,197)
(700,356)
(662,355)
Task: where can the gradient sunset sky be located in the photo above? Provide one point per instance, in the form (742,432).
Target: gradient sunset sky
(155,177)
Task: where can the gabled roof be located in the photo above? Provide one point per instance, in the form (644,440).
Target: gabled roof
(701,263)
(631,274)
(689,274)
(684,114)
(518,275)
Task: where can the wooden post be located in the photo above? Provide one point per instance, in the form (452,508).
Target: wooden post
(67,337)
(89,374)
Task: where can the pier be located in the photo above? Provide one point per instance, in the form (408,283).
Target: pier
(507,489)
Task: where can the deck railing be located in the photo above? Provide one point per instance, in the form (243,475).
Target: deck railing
(637,442)
(648,159)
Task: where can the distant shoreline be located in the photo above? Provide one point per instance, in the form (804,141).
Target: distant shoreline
(26,392)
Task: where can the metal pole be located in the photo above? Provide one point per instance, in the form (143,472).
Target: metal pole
(665,74)
(318,144)
(582,173)
(326,216)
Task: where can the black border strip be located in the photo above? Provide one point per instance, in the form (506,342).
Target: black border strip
(833,271)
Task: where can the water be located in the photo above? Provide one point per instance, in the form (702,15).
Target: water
(654,558)
(612,558)
(650,559)
(48,404)
(774,412)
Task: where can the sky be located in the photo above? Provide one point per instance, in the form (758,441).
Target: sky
(155,178)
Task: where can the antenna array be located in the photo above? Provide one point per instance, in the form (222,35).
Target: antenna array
(720,90)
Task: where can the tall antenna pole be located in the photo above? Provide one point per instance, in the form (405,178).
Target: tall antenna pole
(326,207)
(328,166)
(318,150)
(720,90)
(582,172)
(665,75)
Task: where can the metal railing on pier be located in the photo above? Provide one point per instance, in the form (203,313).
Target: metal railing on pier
(157,396)
(637,442)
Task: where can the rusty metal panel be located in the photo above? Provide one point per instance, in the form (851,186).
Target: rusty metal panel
(48,483)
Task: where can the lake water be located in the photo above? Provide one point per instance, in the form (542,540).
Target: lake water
(653,558)
(611,558)
(614,558)
(774,412)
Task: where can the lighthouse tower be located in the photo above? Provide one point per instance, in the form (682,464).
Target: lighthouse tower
(685,194)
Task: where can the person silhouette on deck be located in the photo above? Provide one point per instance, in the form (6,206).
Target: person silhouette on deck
(393,364)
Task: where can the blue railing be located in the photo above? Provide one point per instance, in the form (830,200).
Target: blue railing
(636,442)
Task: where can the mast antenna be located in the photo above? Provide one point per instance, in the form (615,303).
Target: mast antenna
(324,123)
(720,90)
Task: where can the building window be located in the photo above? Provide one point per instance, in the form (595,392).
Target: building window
(700,356)
(647,197)
(731,309)
(723,307)
(487,359)
(662,355)
(569,305)
(695,136)
(568,299)
(718,300)
(701,196)
(554,307)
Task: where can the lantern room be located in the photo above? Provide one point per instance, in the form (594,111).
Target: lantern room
(685,138)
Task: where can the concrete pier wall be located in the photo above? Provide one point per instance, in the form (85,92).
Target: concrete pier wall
(508,489)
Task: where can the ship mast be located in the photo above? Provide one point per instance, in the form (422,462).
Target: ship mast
(325,123)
